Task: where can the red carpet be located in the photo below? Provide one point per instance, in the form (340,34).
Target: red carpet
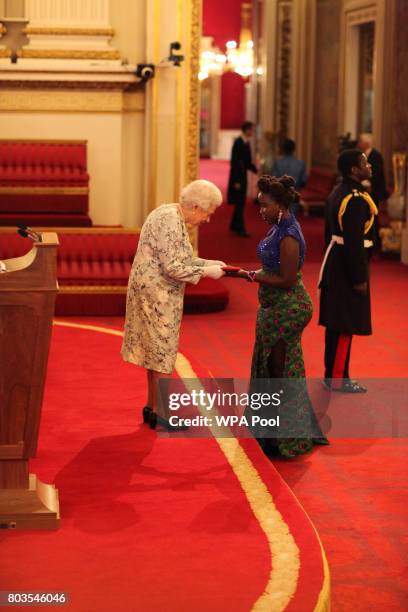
(138,512)
(153,523)
(354,490)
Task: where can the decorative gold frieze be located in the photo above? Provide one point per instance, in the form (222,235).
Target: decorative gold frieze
(5,52)
(92,289)
(70,101)
(69,53)
(5,229)
(133,103)
(44,190)
(355,17)
(69,31)
(44,141)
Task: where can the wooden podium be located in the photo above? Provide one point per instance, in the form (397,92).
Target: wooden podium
(27,297)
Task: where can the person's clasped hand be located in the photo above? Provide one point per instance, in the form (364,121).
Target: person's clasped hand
(215,272)
(216,262)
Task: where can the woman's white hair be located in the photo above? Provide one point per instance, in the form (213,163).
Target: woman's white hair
(200,193)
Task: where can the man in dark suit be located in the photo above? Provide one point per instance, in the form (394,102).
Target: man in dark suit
(241,162)
(345,308)
(376,185)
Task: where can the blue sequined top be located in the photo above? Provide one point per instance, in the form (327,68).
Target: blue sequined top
(269,248)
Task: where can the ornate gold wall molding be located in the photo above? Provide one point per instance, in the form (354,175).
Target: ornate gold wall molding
(193,109)
(285,28)
(5,52)
(92,289)
(354,14)
(133,102)
(69,54)
(355,17)
(45,190)
(193,118)
(69,31)
(77,230)
(70,101)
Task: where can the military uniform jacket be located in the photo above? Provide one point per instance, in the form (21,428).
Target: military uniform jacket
(342,308)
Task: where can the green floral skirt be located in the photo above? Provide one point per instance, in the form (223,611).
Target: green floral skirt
(283,315)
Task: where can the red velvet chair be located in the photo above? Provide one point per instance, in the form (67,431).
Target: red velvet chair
(319,185)
(44,183)
(93,267)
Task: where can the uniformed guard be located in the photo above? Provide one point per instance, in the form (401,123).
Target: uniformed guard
(345,308)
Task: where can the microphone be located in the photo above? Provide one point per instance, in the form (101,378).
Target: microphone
(26,232)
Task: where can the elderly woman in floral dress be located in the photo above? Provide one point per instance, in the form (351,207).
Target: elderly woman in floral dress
(163,264)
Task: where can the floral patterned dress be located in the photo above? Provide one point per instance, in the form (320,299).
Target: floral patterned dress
(283,315)
(163,264)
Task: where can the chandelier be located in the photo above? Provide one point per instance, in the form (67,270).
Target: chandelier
(212,61)
(237,58)
(241,58)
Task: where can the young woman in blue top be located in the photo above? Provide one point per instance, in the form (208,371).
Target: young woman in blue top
(285,310)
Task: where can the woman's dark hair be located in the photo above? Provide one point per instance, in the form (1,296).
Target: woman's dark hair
(347,159)
(281,189)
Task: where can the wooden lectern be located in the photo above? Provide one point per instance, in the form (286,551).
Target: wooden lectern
(27,297)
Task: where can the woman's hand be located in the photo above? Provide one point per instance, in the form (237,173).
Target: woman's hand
(242,274)
(245,274)
(214,272)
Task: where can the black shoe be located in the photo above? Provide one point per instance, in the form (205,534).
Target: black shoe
(348,386)
(156,420)
(351,386)
(320,441)
(146,412)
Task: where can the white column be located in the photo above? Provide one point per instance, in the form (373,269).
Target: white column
(68,13)
(268,63)
(172,100)
(69,30)
(303,70)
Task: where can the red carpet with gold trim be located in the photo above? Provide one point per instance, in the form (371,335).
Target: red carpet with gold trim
(152,523)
